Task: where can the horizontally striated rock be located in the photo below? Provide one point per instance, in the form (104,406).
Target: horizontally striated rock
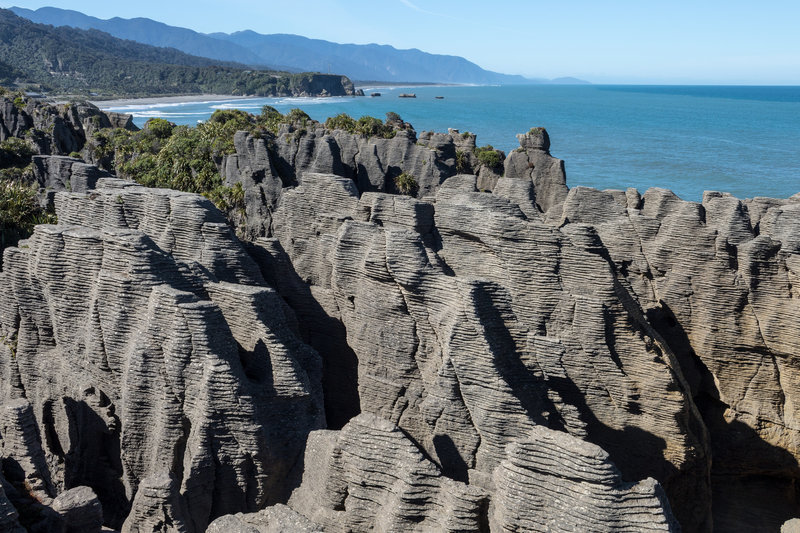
(265,165)
(24,460)
(80,510)
(717,280)
(532,161)
(554,482)
(371,477)
(496,339)
(276,519)
(158,507)
(128,330)
(63,173)
(55,129)
(473,323)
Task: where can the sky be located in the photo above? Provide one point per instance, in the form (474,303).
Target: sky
(612,41)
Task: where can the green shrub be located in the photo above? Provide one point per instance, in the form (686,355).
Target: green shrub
(462,164)
(19,102)
(159,127)
(366,125)
(15,152)
(235,119)
(374,127)
(342,121)
(227,198)
(406,184)
(76,155)
(19,212)
(295,116)
(489,156)
(270,119)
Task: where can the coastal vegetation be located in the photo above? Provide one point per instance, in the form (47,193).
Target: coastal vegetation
(489,156)
(366,125)
(19,212)
(187,158)
(406,184)
(90,62)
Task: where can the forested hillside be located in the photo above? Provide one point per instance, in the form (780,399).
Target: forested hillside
(62,59)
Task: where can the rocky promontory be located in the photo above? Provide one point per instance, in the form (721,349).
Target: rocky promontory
(406,335)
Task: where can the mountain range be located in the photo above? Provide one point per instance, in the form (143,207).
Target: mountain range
(82,61)
(290,52)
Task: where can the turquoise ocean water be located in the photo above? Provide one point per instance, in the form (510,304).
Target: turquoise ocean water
(742,140)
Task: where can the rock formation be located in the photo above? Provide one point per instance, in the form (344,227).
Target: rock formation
(492,353)
(56,129)
(150,346)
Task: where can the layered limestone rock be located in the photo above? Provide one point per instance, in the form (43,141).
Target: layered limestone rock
(472,324)
(146,342)
(532,358)
(276,519)
(55,129)
(532,162)
(554,482)
(718,280)
(266,164)
(371,477)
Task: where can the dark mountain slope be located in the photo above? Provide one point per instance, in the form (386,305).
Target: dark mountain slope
(289,52)
(146,31)
(71,60)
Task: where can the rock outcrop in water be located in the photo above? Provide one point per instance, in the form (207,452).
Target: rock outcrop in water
(498,353)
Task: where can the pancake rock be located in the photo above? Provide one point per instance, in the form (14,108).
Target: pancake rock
(554,482)
(55,129)
(267,164)
(147,345)
(468,335)
(718,279)
(371,477)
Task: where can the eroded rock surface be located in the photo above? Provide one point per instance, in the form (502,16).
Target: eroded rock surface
(129,330)
(529,358)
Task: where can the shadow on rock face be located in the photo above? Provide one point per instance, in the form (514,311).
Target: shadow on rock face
(323,332)
(94,460)
(754,485)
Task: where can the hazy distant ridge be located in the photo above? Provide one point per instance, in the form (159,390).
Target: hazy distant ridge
(289,52)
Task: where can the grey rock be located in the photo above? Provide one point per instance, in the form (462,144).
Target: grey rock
(532,161)
(369,476)
(56,129)
(80,510)
(475,323)
(717,281)
(130,333)
(554,482)
(9,517)
(158,507)
(21,448)
(275,519)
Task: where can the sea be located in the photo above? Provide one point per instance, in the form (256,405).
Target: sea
(744,140)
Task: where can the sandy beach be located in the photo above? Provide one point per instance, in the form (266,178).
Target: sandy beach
(160,100)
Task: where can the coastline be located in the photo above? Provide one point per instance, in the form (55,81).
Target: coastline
(162,100)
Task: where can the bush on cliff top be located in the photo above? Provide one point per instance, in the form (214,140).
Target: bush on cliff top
(366,125)
(19,212)
(489,156)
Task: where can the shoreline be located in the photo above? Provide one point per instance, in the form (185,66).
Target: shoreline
(161,100)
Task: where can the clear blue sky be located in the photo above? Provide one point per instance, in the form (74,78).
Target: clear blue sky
(626,41)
